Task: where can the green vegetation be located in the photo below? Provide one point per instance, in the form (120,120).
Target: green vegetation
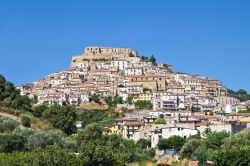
(102,117)
(131,54)
(129,100)
(143,105)
(201,154)
(51,156)
(22,145)
(160,121)
(242,92)
(38,110)
(26,121)
(85,60)
(143,143)
(7,125)
(173,142)
(208,112)
(189,148)
(61,117)
(220,147)
(151,59)
(113,101)
(100,60)
(244,96)
(95,98)
(99,149)
(195,109)
(10,97)
(88,147)
(245,111)
(13,138)
(235,156)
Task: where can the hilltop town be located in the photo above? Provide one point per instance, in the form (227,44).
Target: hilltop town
(186,103)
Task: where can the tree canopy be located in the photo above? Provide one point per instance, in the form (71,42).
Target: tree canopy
(61,117)
(242,92)
(173,142)
(10,96)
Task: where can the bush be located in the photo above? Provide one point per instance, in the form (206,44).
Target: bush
(10,142)
(143,143)
(37,111)
(189,148)
(61,117)
(215,139)
(51,156)
(26,121)
(173,142)
(10,97)
(234,156)
(21,102)
(95,97)
(143,105)
(7,125)
(43,139)
(160,121)
(201,155)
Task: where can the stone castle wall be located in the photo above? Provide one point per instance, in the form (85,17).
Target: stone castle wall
(97,52)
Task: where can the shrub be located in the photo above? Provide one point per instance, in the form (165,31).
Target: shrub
(39,140)
(189,148)
(173,142)
(7,125)
(143,105)
(10,142)
(233,156)
(38,110)
(53,155)
(62,117)
(160,121)
(21,102)
(26,121)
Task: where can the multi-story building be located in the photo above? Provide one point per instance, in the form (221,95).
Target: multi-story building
(112,71)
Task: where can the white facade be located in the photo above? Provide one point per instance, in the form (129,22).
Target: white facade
(120,64)
(135,88)
(168,101)
(230,109)
(164,133)
(134,71)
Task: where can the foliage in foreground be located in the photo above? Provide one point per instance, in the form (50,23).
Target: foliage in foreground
(173,142)
(61,117)
(220,147)
(26,121)
(99,149)
(51,156)
(89,147)
(10,97)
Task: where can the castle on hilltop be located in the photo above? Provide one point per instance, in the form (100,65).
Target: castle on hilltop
(120,77)
(121,71)
(105,53)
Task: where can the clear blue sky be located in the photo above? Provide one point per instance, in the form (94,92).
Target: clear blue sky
(209,37)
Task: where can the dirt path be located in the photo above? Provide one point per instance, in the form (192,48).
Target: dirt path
(13,117)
